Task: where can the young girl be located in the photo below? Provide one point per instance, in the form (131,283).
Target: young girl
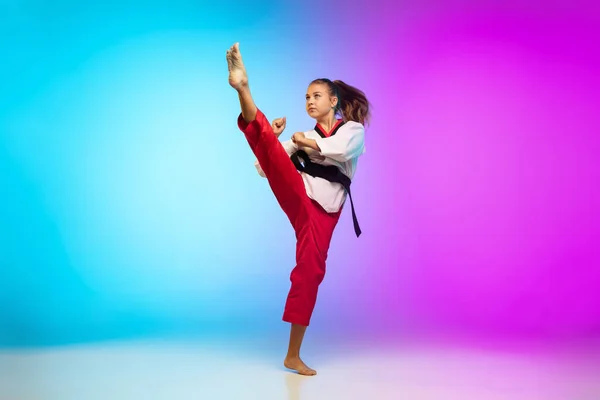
(310,177)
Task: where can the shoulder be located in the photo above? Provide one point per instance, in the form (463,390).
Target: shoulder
(354,124)
(353,127)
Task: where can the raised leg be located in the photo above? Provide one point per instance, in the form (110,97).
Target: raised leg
(238,79)
(285,181)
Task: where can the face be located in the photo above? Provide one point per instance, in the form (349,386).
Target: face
(318,101)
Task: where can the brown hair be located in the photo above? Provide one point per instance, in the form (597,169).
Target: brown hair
(352,102)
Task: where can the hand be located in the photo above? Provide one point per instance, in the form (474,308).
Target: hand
(298,137)
(278,126)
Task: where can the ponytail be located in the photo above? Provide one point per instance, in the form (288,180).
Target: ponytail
(353,103)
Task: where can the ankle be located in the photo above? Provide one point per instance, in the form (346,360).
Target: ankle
(243,88)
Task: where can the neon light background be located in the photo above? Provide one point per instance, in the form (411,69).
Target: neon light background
(130,205)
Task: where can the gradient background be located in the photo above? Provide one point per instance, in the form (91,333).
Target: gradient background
(130,206)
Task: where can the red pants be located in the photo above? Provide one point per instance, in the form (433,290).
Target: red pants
(312,224)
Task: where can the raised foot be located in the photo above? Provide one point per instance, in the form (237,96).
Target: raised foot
(238,78)
(296,364)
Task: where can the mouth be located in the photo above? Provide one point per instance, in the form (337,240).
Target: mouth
(312,109)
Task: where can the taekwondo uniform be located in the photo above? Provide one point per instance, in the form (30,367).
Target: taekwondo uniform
(311,188)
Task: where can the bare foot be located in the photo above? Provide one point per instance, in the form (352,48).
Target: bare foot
(296,364)
(237,72)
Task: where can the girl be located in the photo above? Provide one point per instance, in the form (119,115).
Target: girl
(312,199)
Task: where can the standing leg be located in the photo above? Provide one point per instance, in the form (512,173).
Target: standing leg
(313,241)
(292,359)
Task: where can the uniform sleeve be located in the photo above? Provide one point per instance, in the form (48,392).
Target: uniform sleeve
(346,144)
(259,169)
(290,148)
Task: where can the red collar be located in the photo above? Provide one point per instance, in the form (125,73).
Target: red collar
(331,132)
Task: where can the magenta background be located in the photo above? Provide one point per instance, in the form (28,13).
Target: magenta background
(482,171)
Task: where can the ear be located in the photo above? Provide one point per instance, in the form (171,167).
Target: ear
(334,102)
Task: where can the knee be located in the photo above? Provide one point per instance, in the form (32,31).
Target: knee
(310,274)
(318,275)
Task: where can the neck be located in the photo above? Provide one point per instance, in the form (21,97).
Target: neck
(328,122)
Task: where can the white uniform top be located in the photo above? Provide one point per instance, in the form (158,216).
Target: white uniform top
(341,148)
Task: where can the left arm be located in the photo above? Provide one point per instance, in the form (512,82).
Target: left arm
(300,140)
(311,143)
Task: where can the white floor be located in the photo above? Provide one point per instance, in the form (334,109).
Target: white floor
(206,371)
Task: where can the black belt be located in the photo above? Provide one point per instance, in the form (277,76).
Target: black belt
(330,173)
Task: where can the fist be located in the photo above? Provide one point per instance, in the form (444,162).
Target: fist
(278,126)
(298,137)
